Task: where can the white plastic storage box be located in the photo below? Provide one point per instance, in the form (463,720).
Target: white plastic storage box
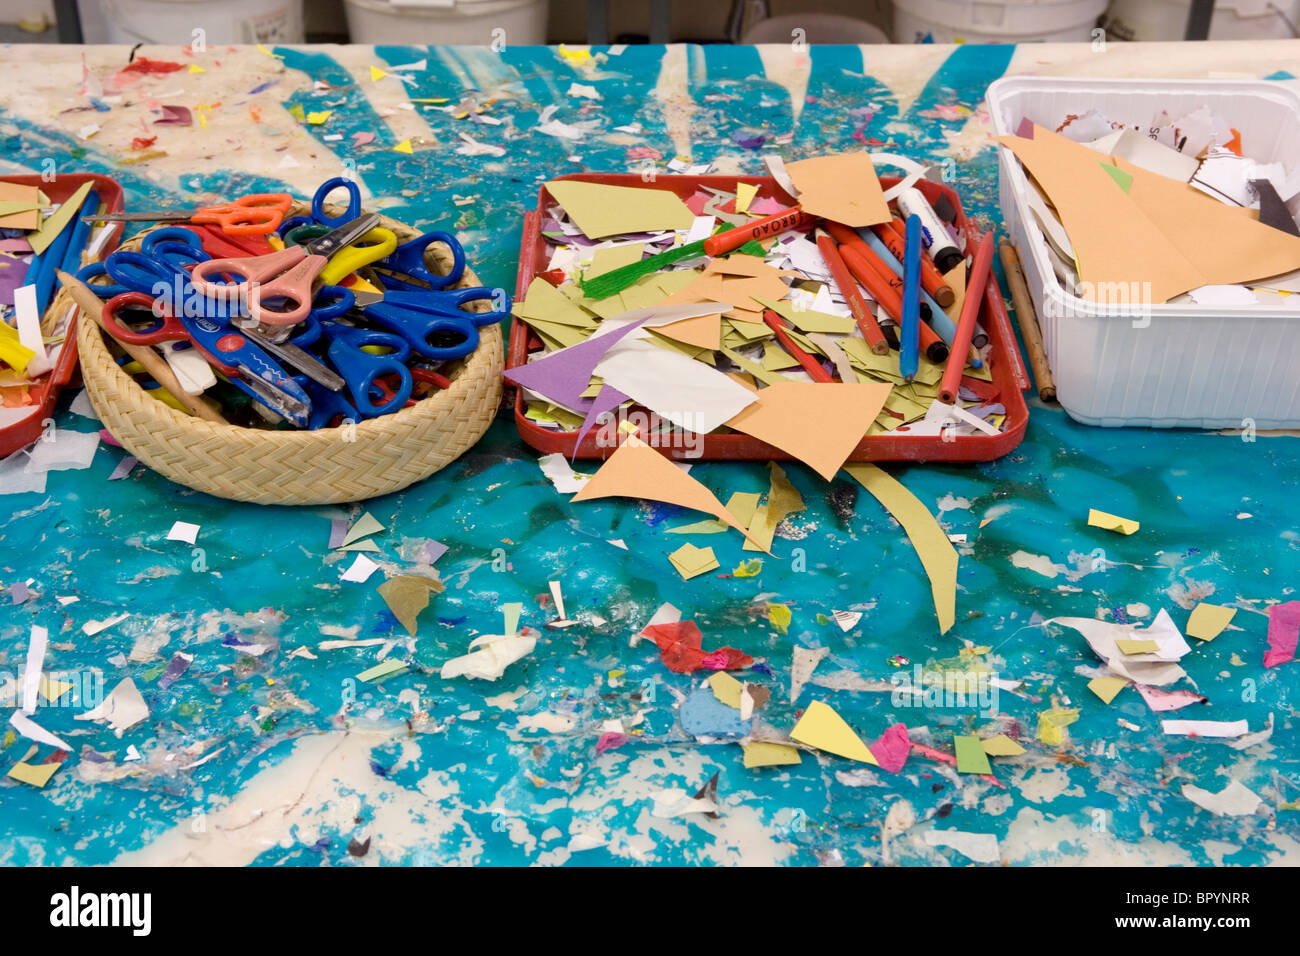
(1167,366)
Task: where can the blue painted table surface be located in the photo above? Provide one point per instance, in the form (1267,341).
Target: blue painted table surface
(507,772)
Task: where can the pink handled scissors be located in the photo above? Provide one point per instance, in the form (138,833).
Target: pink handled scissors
(288,275)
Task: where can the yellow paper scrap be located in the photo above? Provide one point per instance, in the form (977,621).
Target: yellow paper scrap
(34,774)
(1052,724)
(691,561)
(762,754)
(1100,519)
(264,50)
(821,727)
(404,147)
(600,210)
(779,615)
(613,257)
(52,690)
(1208,621)
(1137,646)
(297,112)
(54,224)
(316,119)
(782,500)
(1001,746)
(931,542)
(1107,687)
(726,688)
(407,595)
(748,569)
(376,74)
(195,68)
(745,193)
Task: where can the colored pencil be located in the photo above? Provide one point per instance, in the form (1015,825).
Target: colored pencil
(966,323)
(810,364)
(848,287)
(938,318)
(909,354)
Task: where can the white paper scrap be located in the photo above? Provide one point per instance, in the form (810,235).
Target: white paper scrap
(34,731)
(35,661)
(184,531)
(1234,800)
(361,570)
(122,709)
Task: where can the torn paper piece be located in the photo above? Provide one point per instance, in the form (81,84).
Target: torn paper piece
(801,668)
(1161,701)
(847,620)
(979,847)
(72,451)
(184,531)
(365,526)
(407,595)
(1147,668)
(1205,728)
(36,774)
(561,474)
(122,709)
(494,654)
(971,757)
(1100,519)
(384,669)
(360,570)
(892,748)
(821,727)
(91,628)
(1107,687)
(1001,746)
(34,731)
(931,543)
(1283,632)
(32,672)
(1234,800)
(1208,621)
(675,803)
(691,561)
(764,754)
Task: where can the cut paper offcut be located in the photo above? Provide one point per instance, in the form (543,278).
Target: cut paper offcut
(1162,701)
(782,500)
(1208,621)
(1283,632)
(805,661)
(703,332)
(1001,746)
(892,748)
(364,527)
(936,552)
(819,424)
(763,754)
(691,561)
(563,375)
(1100,519)
(636,470)
(600,210)
(1234,800)
(971,757)
(726,688)
(1159,231)
(1107,687)
(489,657)
(842,187)
(1159,668)
(407,595)
(1205,728)
(821,727)
(35,774)
(122,709)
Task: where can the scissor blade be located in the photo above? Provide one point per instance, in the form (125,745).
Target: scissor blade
(273,398)
(344,235)
(171,215)
(300,359)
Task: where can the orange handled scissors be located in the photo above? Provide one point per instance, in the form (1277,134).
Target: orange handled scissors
(278,288)
(256,215)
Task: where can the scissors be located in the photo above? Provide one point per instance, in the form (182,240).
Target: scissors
(361,369)
(291,274)
(327,408)
(433,322)
(407,262)
(318,215)
(174,244)
(255,215)
(246,366)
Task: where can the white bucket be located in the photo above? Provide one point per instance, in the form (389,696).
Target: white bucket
(494,23)
(1011,21)
(1233,19)
(230,21)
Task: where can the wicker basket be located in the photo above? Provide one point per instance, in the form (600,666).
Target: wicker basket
(326,466)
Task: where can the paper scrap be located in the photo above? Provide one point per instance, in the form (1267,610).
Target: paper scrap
(36,775)
(801,668)
(842,187)
(971,757)
(1208,621)
(892,748)
(489,657)
(1129,648)
(1283,633)
(1107,687)
(936,552)
(691,561)
(847,620)
(407,595)
(1205,728)
(184,531)
(821,727)
(385,668)
(122,709)
(1001,746)
(600,210)
(680,646)
(364,527)
(726,688)
(820,424)
(1162,701)
(1100,519)
(32,671)
(360,570)
(782,500)
(636,470)
(764,754)
(34,731)
(1234,800)
(91,628)
(1052,724)
(53,225)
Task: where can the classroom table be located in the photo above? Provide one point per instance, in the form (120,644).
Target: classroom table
(263,753)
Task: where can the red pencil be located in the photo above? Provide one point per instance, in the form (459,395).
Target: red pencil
(882,290)
(784,221)
(849,289)
(966,323)
(810,364)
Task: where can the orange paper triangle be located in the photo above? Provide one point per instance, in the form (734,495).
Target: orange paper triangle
(818,423)
(704,332)
(842,188)
(636,470)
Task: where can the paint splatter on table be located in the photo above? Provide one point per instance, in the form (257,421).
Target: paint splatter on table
(507,772)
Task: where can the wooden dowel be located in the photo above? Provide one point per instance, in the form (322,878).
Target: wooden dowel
(1027,319)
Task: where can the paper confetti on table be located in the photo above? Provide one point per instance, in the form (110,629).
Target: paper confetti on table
(1208,621)
(821,727)
(1100,519)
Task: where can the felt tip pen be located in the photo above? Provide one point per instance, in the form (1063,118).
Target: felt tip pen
(939,245)
(909,355)
(937,317)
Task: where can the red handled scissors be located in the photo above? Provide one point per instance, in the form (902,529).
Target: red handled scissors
(257,215)
(289,277)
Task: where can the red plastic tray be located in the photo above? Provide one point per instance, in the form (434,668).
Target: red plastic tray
(24,432)
(1005,364)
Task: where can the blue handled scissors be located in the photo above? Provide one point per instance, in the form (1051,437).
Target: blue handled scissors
(246,366)
(360,369)
(318,215)
(327,408)
(174,245)
(433,322)
(407,262)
